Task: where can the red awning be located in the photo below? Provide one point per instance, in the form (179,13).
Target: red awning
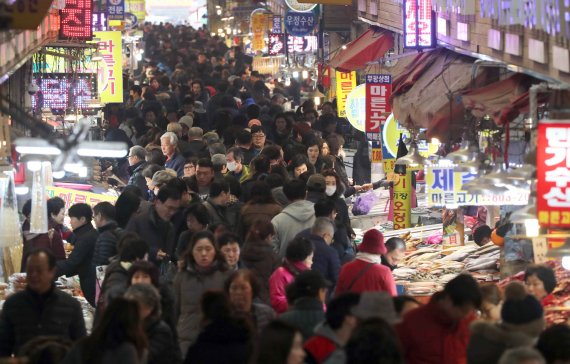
(502,100)
(369,47)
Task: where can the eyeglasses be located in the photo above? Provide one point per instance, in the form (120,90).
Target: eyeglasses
(258,135)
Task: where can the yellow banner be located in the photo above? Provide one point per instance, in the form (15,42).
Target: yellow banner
(137,8)
(25,14)
(402,202)
(258,28)
(72,197)
(444,187)
(345,82)
(389,165)
(110,69)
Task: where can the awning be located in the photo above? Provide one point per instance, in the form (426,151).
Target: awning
(503,100)
(369,47)
(425,94)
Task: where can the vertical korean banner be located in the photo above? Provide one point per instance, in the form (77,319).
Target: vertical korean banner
(402,202)
(116,9)
(553,173)
(258,28)
(378,90)
(345,82)
(110,70)
(137,8)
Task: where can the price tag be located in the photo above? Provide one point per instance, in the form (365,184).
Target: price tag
(540,248)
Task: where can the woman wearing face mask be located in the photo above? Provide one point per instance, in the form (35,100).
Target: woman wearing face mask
(203,269)
(334,191)
(335,143)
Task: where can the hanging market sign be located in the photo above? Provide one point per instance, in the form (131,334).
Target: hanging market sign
(300,7)
(355,106)
(71,197)
(402,202)
(419,24)
(276,44)
(553,173)
(444,187)
(24,14)
(100,23)
(64,90)
(258,29)
(110,70)
(345,83)
(116,9)
(299,24)
(76,20)
(305,44)
(391,131)
(276,24)
(137,8)
(378,91)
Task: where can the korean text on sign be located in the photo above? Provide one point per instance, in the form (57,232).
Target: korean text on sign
(345,82)
(76,20)
(553,173)
(402,202)
(378,108)
(111,74)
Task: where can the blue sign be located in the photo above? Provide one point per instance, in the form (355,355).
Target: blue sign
(300,24)
(276,22)
(116,9)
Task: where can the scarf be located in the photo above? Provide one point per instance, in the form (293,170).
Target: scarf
(370,258)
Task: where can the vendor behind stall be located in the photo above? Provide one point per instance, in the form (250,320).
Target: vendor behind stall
(396,249)
(540,282)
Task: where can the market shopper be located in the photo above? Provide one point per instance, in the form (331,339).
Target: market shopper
(366,273)
(553,344)
(154,225)
(325,260)
(540,281)
(162,347)
(83,240)
(174,159)
(197,219)
(395,251)
(280,343)
(373,341)
(229,245)
(491,302)
(137,164)
(298,258)
(261,207)
(522,321)
(53,239)
(40,309)
(203,269)
(104,215)
(446,318)
(242,288)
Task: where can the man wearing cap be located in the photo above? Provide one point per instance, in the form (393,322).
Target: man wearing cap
(366,272)
(316,186)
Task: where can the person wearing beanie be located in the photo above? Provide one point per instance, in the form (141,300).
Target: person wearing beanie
(366,272)
(522,321)
(438,332)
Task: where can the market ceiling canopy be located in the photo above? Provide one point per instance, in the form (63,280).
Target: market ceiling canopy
(425,94)
(503,100)
(369,47)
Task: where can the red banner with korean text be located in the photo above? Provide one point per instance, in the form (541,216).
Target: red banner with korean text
(553,173)
(378,91)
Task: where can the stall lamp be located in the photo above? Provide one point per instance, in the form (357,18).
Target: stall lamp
(413,158)
(22,190)
(499,175)
(34,166)
(58,174)
(464,153)
(561,252)
(317,96)
(305,74)
(295,74)
(287,81)
(528,217)
(35,146)
(343,47)
(102,149)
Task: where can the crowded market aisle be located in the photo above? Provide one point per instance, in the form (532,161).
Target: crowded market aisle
(235,232)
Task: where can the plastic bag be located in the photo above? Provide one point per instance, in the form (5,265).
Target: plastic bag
(363,203)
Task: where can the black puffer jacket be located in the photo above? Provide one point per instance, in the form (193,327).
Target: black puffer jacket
(136,177)
(106,244)
(162,347)
(79,261)
(27,315)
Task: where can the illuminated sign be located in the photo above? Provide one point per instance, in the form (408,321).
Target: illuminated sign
(110,70)
(300,7)
(345,83)
(306,44)
(276,44)
(300,24)
(258,28)
(276,24)
(355,106)
(419,24)
(378,91)
(76,20)
(553,173)
(60,91)
(137,8)
(100,23)
(116,9)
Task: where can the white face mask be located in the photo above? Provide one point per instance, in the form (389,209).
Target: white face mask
(330,190)
(232,166)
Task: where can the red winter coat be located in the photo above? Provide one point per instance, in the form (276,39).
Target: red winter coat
(429,336)
(279,280)
(376,278)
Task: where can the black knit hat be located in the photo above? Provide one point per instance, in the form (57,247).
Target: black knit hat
(520,307)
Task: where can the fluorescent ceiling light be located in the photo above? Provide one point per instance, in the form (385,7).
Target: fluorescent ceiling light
(35,146)
(102,149)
